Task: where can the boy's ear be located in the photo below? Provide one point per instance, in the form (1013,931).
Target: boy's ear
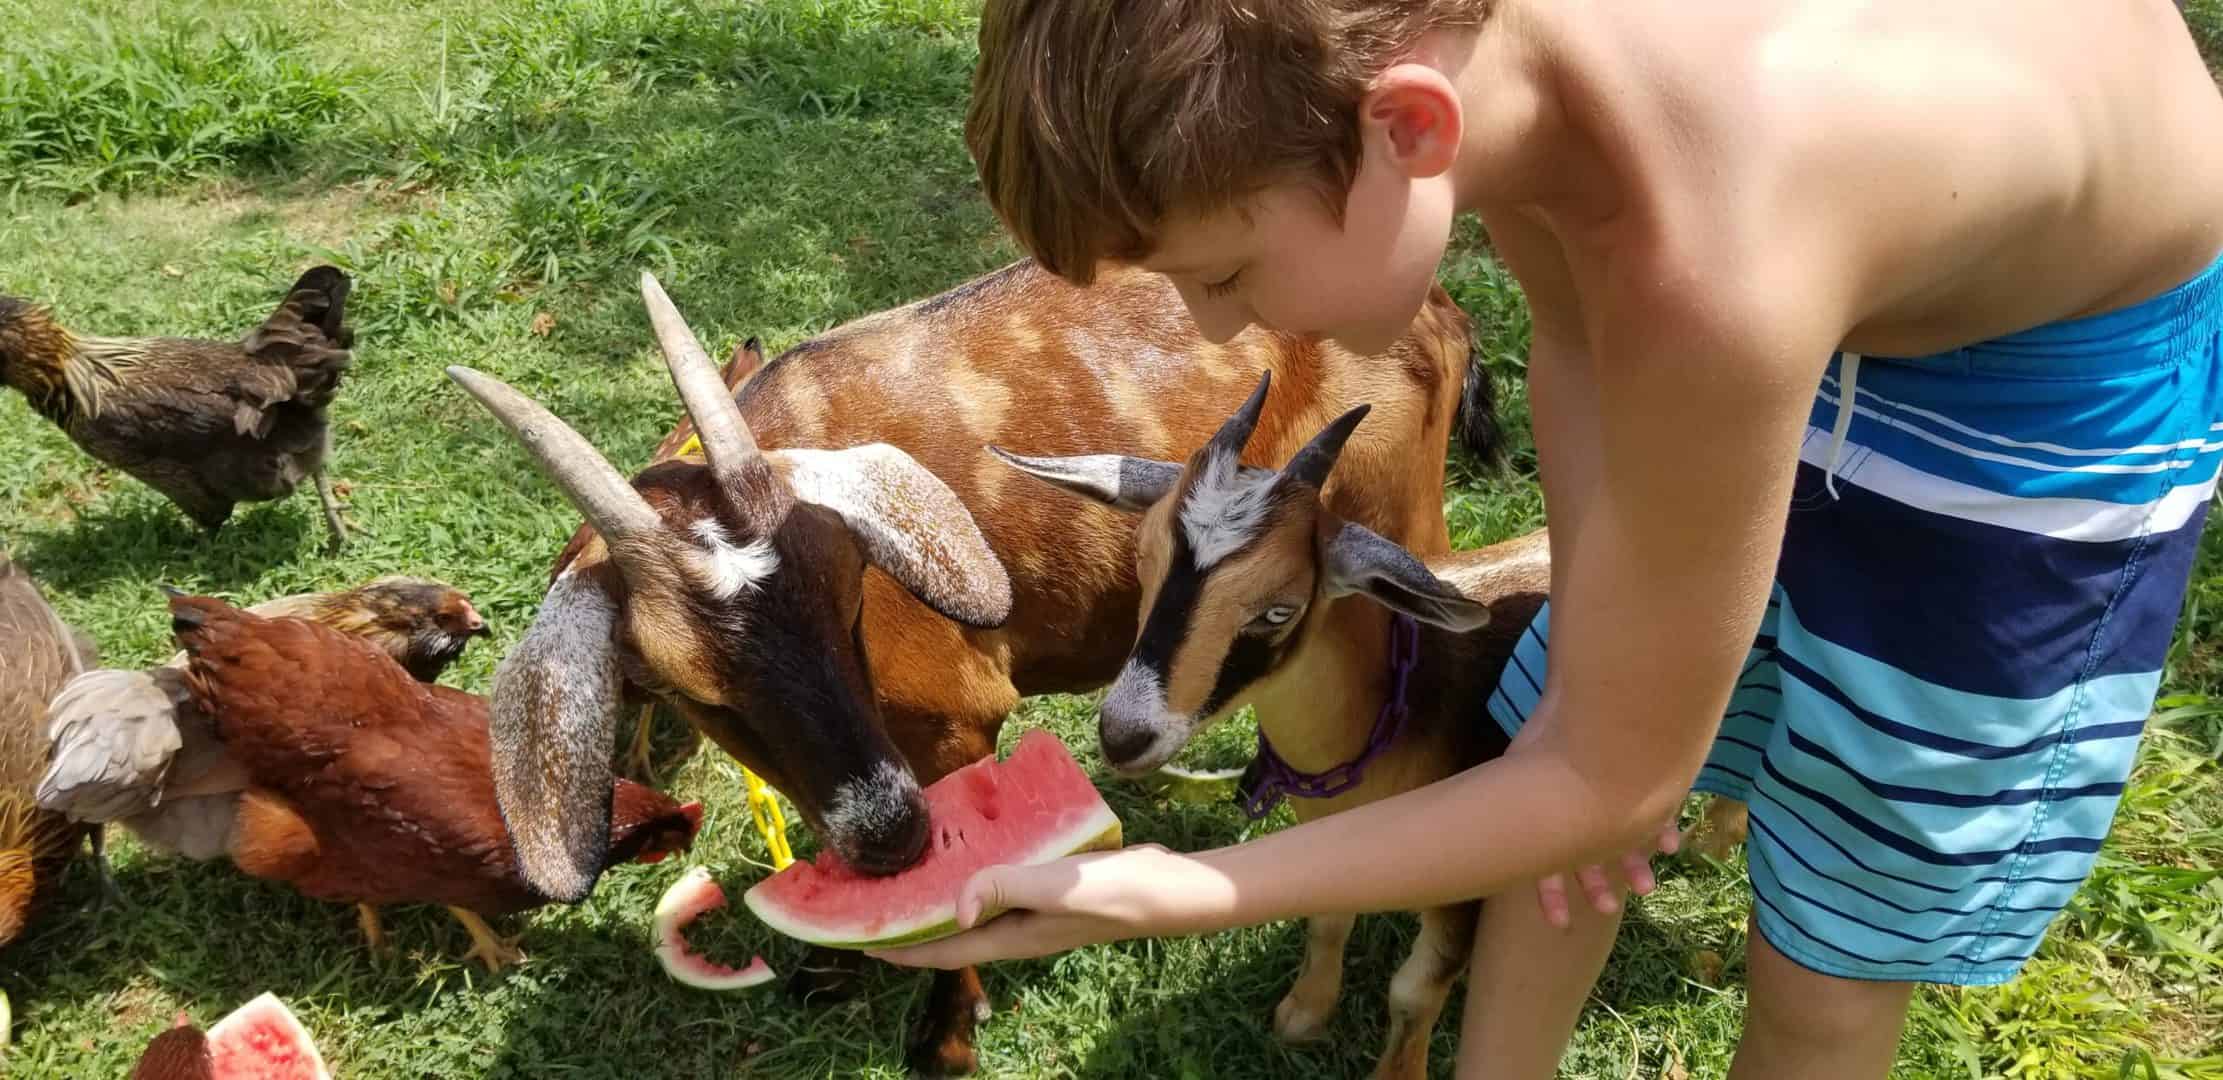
(1414,111)
(1358,560)
(1128,483)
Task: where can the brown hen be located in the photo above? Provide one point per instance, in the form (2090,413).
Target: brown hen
(38,652)
(368,787)
(209,424)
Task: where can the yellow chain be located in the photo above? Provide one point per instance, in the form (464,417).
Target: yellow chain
(764,804)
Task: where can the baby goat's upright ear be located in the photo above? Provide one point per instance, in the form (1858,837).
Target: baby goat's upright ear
(1128,483)
(910,524)
(1358,560)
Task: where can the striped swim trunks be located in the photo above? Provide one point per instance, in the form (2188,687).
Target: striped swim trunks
(1980,579)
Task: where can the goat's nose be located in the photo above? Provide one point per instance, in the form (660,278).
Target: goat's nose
(879,824)
(1133,721)
(1123,740)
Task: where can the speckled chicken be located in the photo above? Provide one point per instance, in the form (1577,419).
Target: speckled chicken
(367,787)
(209,424)
(37,653)
(129,747)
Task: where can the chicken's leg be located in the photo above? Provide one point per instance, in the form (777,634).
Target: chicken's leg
(639,759)
(332,519)
(109,893)
(487,947)
(367,916)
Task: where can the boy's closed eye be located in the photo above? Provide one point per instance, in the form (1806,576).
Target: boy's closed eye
(1224,286)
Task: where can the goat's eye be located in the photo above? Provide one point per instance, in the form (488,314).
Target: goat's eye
(1277,615)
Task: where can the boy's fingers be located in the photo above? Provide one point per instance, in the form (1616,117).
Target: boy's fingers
(986,891)
(1551,895)
(1638,869)
(1602,893)
(1671,838)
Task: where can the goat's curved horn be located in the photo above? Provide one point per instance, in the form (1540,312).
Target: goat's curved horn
(1235,433)
(725,436)
(1312,464)
(592,484)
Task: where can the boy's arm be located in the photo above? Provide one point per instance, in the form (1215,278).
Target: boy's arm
(1669,447)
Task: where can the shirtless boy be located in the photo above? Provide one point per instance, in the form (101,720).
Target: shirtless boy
(1920,637)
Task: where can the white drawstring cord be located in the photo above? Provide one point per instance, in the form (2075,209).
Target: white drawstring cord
(1848,382)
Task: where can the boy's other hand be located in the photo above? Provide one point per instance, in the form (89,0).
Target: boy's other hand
(1636,868)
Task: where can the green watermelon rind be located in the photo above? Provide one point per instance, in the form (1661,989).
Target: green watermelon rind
(1203,786)
(1100,832)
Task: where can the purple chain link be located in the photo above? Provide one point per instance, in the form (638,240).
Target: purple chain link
(1269,777)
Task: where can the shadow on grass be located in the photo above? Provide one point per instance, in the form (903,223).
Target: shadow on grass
(152,542)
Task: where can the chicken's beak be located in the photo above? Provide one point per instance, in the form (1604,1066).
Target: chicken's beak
(693,813)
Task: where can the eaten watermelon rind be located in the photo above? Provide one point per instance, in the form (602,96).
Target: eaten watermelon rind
(241,1043)
(693,895)
(1100,831)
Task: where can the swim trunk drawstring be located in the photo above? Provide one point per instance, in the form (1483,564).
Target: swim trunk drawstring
(1848,381)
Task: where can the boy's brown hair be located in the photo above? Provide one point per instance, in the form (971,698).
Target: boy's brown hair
(1091,120)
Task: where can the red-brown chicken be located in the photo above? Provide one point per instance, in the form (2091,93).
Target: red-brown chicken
(367,786)
(180,1052)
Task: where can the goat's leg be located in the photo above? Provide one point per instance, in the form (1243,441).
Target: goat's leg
(826,976)
(1418,990)
(1720,831)
(1308,1008)
(944,1044)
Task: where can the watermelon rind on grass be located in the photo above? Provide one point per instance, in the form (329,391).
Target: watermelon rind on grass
(1033,807)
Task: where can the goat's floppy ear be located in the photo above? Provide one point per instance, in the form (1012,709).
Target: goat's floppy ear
(554,713)
(1359,560)
(911,525)
(1128,483)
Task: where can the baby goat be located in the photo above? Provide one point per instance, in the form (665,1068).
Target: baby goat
(1368,665)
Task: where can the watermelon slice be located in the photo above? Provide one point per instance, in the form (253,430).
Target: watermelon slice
(261,1040)
(687,900)
(1035,806)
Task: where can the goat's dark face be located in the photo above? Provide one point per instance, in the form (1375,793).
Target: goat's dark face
(731,586)
(759,644)
(1233,562)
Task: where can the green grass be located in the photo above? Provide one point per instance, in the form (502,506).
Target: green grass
(484,166)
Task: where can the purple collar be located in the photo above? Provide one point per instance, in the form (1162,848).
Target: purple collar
(1269,777)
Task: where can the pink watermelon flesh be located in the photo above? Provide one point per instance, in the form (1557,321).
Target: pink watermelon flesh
(1035,806)
(694,894)
(261,1040)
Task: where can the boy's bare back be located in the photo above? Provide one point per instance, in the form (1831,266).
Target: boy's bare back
(1947,173)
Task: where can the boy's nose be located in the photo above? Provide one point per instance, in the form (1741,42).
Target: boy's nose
(1218,320)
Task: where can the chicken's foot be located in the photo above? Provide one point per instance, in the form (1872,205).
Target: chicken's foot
(487,947)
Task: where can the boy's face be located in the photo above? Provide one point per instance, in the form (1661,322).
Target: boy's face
(1283,261)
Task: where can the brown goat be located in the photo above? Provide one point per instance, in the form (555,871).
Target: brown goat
(853,621)
(1259,591)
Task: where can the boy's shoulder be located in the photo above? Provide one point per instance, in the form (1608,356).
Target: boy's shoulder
(1918,168)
